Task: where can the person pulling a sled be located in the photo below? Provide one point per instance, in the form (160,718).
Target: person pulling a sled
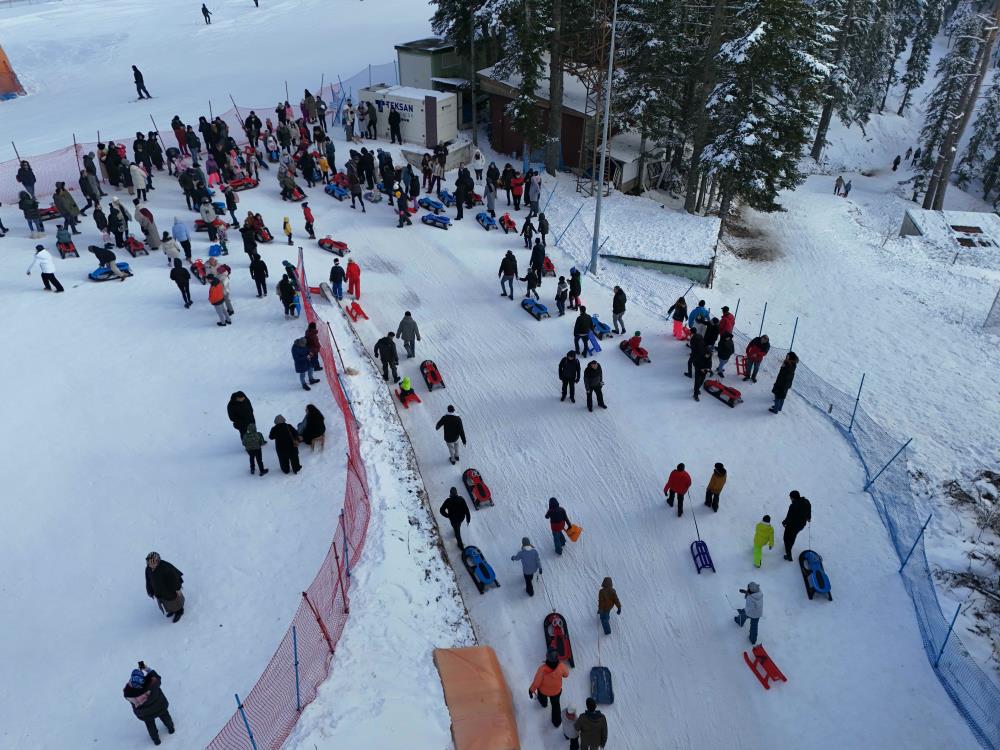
(531,563)
(547,685)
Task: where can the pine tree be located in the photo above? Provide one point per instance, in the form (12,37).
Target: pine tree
(764,105)
(920,48)
(984,144)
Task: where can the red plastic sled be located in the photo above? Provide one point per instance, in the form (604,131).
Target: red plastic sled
(741,364)
(355,312)
(431,375)
(557,637)
(135,247)
(243,183)
(507,224)
(66,249)
(726,394)
(334,246)
(765,670)
(548,267)
(479,493)
(412,398)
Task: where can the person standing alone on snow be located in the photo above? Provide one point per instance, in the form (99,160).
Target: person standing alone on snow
(752,609)
(148,702)
(206,13)
(783,383)
(798,515)
(762,534)
(456,510)
(618,309)
(140,85)
(607,598)
(454,431)
(569,375)
(43,259)
(558,522)
(715,485)
(678,483)
(531,563)
(408,331)
(163,583)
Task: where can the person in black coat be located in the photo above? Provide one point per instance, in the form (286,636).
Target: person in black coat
(385,349)
(575,288)
(454,431)
(394,132)
(107,259)
(286,293)
(248,233)
(711,333)
(593,381)
(799,514)
(569,375)
(148,702)
(258,272)
(308,166)
(537,261)
(724,350)
(618,309)
(240,412)
(313,426)
(698,349)
(783,383)
(702,367)
(507,273)
(286,445)
(582,327)
(182,277)
(164,583)
(140,84)
(456,510)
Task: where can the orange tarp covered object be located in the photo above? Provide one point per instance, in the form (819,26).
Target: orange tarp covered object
(8,78)
(482,713)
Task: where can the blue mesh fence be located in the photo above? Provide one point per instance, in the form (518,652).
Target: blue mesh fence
(974,694)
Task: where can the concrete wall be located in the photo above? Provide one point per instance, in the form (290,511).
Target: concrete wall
(698,274)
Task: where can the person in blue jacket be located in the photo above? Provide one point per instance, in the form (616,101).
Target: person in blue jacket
(180,232)
(698,313)
(530,564)
(303,363)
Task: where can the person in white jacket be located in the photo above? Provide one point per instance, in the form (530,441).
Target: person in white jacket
(752,610)
(43,259)
(478,164)
(170,249)
(208,215)
(140,180)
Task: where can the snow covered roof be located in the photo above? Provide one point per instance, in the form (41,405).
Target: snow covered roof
(430,44)
(456,82)
(574,89)
(626,147)
(947,228)
(407,92)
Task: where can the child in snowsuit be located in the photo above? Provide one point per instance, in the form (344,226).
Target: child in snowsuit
(286,227)
(405,389)
(715,485)
(634,346)
(763,534)
(562,293)
(527,231)
(307,214)
(353,279)
(253,441)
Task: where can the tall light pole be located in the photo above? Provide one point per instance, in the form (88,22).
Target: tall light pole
(472,78)
(596,242)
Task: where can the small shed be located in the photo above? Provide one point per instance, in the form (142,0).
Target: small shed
(625,153)
(422,60)
(427,117)
(953,230)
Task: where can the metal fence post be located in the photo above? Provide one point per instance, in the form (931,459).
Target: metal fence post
(856,400)
(295,654)
(568,225)
(737,310)
(246,723)
(872,480)
(549,199)
(347,549)
(343,591)
(791,346)
(947,635)
(763,315)
(914,546)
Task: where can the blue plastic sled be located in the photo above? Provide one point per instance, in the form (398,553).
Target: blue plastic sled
(214,251)
(429,204)
(220,208)
(446,198)
(436,220)
(535,308)
(594,346)
(601,689)
(337,191)
(104,274)
(600,328)
(486,221)
(813,575)
(480,570)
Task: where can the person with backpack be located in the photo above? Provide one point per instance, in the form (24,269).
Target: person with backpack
(678,483)
(618,309)
(144,694)
(558,522)
(531,563)
(762,534)
(569,375)
(715,484)
(286,445)
(783,383)
(756,350)
(752,609)
(456,510)
(454,431)
(678,313)
(607,598)
(182,278)
(798,516)
(164,583)
(593,383)
(258,272)
(547,684)
(253,441)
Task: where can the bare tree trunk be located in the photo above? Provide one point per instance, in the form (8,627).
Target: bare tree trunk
(906,100)
(703,86)
(826,117)
(553,146)
(640,188)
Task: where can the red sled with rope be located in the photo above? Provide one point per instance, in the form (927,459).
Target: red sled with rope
(431,375)
(479,493)
(726,394)
(507,224)
(135,247)
(243,183)
(334,246)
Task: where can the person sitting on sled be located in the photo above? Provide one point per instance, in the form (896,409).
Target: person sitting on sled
(633,345)
(405,389)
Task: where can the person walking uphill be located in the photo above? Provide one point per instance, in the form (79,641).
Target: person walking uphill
(715,485)
(618,309)
(163,583)
(558,522)
(408,331)
(607,598)
(798,515)
(783,383)
(454,431)
(148,702)
(569,375)
(140,84)
(43,259)
(762,534)
(752,609)
(531,563)
(385,349)
(547,685)
(678,483)
(456,510)
(286,445)
(182,278)
(593,728)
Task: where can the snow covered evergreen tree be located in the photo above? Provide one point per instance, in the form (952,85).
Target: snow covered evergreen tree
(980,160)
(764,105)
(920,49)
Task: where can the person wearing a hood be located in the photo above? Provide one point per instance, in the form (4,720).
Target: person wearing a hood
(408,331)
(182,277)
(456,510)
(531,563)
(353,276)
(29,207)
(148,702)
(240,411)
(762,534)
(286,445)
(783,383)
(217,298)
(752,609)
(715,485)
(164,583)
(678,483)
(312,428)
(478,164)
(607,598)
(108,260)
(593,728)
(148,225)
(89,188)
(43,259)
(547,685)
(569,732)
(170,249)
(799,514)
(253,441)
(558,522)
(543,227)
(303,363)
(26,176)
(67,207)
(286,227)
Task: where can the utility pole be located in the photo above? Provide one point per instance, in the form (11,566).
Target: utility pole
(595,241)
(472,76)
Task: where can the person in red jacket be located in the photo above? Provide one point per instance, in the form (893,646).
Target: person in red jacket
(727,322)
(547,685)
(678,483)
(757,349)
(517,189)
(307,214)
(354,279)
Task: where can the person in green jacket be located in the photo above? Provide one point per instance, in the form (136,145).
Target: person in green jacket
(763,534)
(253,441)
